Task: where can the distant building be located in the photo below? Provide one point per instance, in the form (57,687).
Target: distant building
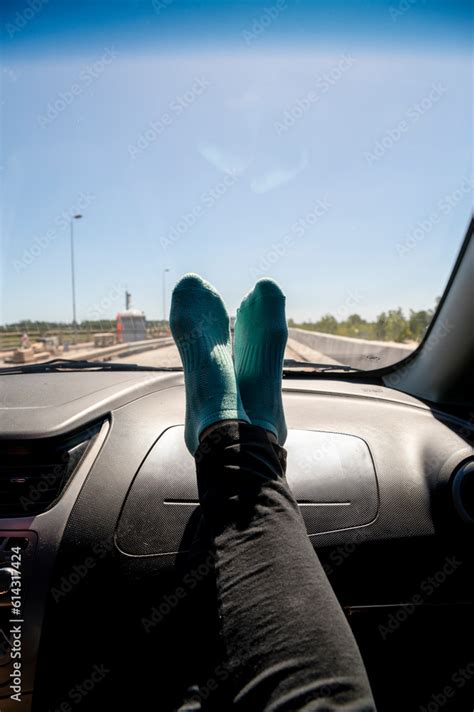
(131,326)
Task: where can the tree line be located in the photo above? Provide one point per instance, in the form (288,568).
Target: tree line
(44,327)
(392,325)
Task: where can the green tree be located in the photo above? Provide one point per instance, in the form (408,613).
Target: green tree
(396,326)
(327,324)
(381,326)
(418,322)
(354,325)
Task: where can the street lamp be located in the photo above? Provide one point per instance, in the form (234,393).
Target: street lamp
(164,293)
(73,277)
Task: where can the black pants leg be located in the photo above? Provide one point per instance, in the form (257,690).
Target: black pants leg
(284,636)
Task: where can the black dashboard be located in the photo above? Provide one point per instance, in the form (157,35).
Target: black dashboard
(98,494)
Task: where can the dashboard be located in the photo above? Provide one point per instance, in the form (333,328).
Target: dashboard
(99,502)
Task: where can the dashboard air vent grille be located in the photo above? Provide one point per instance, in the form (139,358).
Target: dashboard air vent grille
(34,473)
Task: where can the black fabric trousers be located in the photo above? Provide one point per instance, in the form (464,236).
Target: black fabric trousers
(284,639)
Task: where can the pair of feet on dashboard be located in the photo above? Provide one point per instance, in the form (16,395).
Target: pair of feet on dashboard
(245,386)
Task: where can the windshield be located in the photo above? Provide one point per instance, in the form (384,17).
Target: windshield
(325,144)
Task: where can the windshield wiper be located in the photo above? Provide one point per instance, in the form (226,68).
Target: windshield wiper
(65,364)
(290,363)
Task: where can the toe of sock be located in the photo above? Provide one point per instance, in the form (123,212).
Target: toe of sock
(194,281)
(267,287)
(196,307)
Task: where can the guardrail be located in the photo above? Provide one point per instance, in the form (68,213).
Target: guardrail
(360,353)
(127,349)
(101,353)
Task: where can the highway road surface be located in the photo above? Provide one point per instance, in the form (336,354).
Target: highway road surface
(169,356)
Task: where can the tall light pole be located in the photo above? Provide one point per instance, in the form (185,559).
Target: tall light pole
(167,269)
(73,276)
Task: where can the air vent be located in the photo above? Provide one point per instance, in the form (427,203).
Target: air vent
(463,491)
(34,473)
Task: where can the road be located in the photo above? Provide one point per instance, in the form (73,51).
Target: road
(169,356)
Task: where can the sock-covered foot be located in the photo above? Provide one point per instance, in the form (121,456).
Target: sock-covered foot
(260,337)
(200,326)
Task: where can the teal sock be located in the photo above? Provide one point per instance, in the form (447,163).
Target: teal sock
(260,337)
(200,326)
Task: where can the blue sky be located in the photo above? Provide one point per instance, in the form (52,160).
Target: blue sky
(326,144)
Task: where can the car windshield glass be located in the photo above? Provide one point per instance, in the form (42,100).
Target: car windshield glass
(324,144)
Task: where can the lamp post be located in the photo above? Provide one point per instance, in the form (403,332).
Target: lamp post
(73,276)
(164,292)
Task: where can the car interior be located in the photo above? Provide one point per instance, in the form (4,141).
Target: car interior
(325,145)
(98,497)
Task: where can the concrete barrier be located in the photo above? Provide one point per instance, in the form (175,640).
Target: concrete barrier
(107,353)
(128,349)
(360,353)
